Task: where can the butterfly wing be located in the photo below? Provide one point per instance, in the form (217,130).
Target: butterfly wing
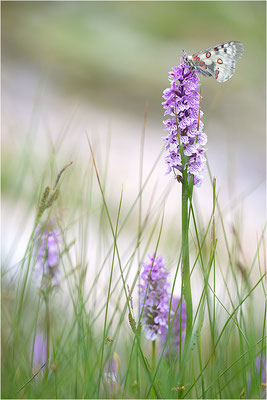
(218,61)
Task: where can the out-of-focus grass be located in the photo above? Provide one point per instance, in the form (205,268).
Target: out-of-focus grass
(229,323)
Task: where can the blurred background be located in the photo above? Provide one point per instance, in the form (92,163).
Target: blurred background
(71,69)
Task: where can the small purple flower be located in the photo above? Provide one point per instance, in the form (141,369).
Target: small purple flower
(177,330)
(48,256)
(260,372)
(111,375)
(154,296)
(112,367)
(182,105)
(39,350)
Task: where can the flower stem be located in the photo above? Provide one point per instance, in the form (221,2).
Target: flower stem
(153,364)
(47,334)
(186,287)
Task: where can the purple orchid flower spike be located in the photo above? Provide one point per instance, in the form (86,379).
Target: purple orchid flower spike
(48,256)
(182,104)
(154,297)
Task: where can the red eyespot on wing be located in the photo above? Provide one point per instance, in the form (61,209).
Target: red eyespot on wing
(216,74)
(196,58)
(208,54)
(219,61)
(203,65)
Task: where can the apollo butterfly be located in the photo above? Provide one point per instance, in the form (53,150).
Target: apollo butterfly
(217,61)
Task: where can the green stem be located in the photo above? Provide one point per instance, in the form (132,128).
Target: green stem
(153,354)
(187,190)
(47,334)
(186,287)
(153,364)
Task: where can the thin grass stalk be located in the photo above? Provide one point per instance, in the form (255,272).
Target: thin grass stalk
(213,240)
(55,371)
(201,368)
(124,223)
(223,329)
(169,315)
(140,230)
(126,305)
(120,267)
(136,276)
(47,318)
(28,254)
(108,298)
(262,341)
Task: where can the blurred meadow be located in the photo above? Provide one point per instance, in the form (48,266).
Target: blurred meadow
(75,73)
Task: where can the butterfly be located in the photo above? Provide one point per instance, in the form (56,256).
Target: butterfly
(217,61)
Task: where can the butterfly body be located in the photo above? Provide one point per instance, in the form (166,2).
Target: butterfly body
(217,61)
